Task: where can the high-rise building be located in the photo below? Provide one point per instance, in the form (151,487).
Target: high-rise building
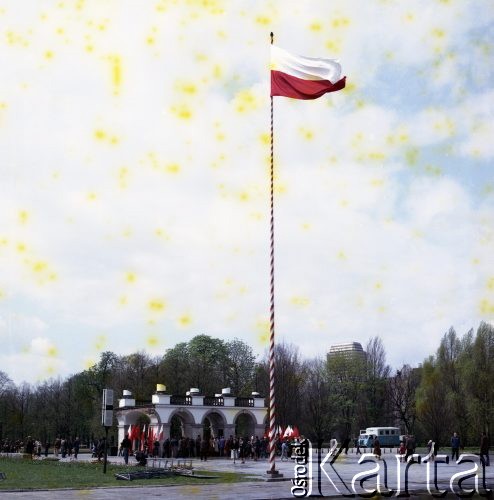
(347,349)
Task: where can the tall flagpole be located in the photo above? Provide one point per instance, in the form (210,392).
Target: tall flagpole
(272,407)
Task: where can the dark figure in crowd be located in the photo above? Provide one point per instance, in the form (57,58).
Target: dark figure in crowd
(77,445)
(410,445)
(167,448)
(126,445)
(47,447)
(455,446)
(377,448)
(204,448)
(484,449)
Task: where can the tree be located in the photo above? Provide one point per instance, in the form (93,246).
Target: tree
(239,367)
(316,393)
(433,407)
(177,361)
(377,374)
(401,395)
(346,376)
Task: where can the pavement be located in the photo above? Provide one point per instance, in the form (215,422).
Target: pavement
(328,480)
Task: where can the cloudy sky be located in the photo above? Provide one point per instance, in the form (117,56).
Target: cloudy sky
(134,177)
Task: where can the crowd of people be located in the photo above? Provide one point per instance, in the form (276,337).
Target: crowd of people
(232,448)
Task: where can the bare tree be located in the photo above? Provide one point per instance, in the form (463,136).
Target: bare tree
(401,394)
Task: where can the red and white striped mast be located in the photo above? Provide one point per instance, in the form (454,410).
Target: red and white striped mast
(272,407)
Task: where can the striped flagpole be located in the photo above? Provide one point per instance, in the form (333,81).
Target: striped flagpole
(272,406)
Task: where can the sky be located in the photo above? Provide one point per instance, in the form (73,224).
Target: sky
(134,177)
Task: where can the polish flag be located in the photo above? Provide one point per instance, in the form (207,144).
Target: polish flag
(302,77)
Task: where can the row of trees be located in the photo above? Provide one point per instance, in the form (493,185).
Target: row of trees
(452,390)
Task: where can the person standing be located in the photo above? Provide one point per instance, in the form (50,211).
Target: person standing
(377,448)
(284,451)
(484,449)
(126,445)
(455,445)
(76,444)
(410,445)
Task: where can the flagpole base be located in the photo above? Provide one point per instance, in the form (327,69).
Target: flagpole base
(273,475)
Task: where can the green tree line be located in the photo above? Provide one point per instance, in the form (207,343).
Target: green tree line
(330,396)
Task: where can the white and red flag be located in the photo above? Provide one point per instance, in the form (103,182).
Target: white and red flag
(301,77)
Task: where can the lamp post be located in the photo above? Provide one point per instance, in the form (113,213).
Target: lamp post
(106,419)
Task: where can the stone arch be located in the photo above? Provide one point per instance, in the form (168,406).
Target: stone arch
(131,417)
(214,424)
(181,423)
(245,424)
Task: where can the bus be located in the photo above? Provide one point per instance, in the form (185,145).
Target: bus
(388,436)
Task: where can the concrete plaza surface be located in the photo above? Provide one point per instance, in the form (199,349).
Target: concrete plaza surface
(342,472)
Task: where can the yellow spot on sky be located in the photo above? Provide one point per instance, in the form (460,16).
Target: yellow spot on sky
(438,33)
(182,111)
(172,168)
(341,22)
(130,277)
(116,72)
(376,155)
(89,362)
(434,171)
(92,196)
(23,216)
(100,342)
(377,182)
(185,320)
(39,267)
(244,196)
(411,156)
(123,177)
(486,306)
(152,340)
(52,351)
(217,71)
(122,300)
(315,26)
(150,40)
(490,283)
(307,134)
(245,101)
(263,331)
(21,247)
(187,88)
(49,54)
(334,46)
(265,138)
(161,233)
(156,305)
(50,370)
(2,294)
(263,20)
(342,255)
(100,135)
(306,226)
(300,301)
(378,285)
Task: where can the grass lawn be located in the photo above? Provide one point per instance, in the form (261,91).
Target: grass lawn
(48,474)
